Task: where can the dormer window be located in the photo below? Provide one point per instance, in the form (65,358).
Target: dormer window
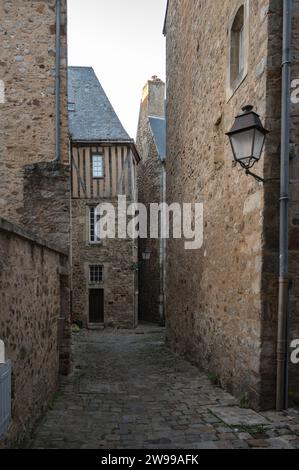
(238,48)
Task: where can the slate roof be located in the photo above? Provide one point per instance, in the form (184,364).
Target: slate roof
(158,128)
(91,115)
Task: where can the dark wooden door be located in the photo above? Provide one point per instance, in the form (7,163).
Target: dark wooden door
(96,306)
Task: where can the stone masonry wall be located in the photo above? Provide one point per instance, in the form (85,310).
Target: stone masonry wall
(27,68)
(35,193)
(149,183)
(119,259)
(31,291)
(149,270)
(216,313)
(46,207)
(271,214)
(294,207)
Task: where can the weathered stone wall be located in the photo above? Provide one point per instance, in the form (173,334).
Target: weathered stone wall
(34,192)
(222,299)
(46,207)
(32,302)
(149,177)
(270,265)
(149,191)
(119,260)
(294,206)
(27,68)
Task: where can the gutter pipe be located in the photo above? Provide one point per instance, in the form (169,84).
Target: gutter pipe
(57,83)
(162,260)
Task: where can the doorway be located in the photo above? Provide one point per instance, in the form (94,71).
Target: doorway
(96,305)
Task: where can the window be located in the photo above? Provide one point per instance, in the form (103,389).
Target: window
(97,166)
(93,219)
(95,274)
(238,48)
(71,106)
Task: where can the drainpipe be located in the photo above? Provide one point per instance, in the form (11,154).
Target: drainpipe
(162,246)
(57,82)
(283,302)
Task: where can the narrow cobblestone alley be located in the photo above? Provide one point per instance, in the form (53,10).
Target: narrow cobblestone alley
(129,391)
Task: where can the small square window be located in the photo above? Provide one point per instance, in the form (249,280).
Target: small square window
(71,107)
(95,274)
(97,166)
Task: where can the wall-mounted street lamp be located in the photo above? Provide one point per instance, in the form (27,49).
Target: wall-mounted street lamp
(247,138)
(146,255)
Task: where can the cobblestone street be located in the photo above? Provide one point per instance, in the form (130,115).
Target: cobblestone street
(128,390)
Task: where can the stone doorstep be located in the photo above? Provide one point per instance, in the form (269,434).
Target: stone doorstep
(235,416)
(96,326)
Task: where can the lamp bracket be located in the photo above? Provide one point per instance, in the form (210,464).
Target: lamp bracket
(258,178)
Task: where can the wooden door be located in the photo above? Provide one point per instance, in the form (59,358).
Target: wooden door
(96,306)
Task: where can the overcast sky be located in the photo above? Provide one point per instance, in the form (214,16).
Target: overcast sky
(123,41)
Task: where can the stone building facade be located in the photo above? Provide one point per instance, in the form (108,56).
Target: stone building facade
(104,161)
(151,144)
(35,200)
(27,70)
(222,299)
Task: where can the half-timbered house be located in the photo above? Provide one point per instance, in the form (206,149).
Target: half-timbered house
(104,160)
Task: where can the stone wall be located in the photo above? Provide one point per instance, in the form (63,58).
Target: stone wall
(27,117)
(119,260)
(46,208)
(149,191)
(33,296)
(35,193)
(222,299)
(294,205)
(271,213)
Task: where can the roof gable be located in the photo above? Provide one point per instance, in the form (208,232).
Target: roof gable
(91,115)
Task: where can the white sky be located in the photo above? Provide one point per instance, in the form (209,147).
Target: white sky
(123,41)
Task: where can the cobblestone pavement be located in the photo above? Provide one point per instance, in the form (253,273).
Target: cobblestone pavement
(129,391)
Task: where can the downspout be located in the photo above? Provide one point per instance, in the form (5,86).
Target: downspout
(162,245)
(57,82)
(283,302)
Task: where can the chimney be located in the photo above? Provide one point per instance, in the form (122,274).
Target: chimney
(152,104)
(153,97)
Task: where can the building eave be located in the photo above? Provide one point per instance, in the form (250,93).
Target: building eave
(165,20)
(108,143)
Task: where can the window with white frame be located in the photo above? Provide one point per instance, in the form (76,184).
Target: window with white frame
(94,217)
(97,166)
(95,274)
